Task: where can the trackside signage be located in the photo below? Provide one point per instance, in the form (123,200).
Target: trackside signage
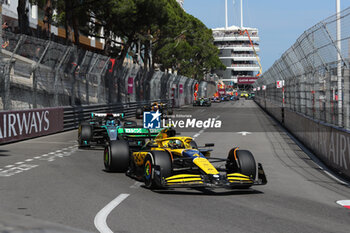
(19,125)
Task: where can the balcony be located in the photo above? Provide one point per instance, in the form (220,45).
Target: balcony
(241,57)
(235,33)
(236,38)
(239,47)
(244,67)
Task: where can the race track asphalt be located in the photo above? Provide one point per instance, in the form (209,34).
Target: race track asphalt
(52,180)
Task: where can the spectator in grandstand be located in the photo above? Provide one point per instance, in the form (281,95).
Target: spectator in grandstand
(5,27)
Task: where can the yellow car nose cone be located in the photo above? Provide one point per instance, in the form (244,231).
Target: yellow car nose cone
(206,166)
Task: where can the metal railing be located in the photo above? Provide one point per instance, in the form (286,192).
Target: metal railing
(74,115)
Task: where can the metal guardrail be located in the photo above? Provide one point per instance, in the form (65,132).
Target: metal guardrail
(73,115)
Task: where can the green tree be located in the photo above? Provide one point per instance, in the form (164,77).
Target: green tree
(23,17)
(48,6)
(186,44)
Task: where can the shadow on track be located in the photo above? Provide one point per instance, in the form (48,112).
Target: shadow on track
(93,148)
(4,155)
(208,192)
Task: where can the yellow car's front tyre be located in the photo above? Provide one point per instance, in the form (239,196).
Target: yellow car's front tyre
(157,165)
(245,165)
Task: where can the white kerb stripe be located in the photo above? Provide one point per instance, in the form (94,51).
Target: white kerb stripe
(344,202)
(100,220)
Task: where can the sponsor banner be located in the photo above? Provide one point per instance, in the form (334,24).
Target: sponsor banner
(130,85)
(222,91)
(246,80)
(279,84)
(331,145)
(19,125)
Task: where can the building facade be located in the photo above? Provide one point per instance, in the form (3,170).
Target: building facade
(35,18)
(181,2)
(239,49)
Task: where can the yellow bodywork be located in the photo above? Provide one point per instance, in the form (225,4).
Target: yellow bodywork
(162,143)
(244,94)
(206,166)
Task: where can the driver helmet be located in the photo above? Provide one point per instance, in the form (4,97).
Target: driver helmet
(110,122)
(175,144)
(155,107)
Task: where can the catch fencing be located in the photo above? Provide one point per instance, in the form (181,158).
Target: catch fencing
(309,72)
(37,73)
(307,90)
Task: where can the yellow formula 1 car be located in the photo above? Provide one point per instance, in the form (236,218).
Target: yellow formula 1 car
(170,161)
(244,94)
(163,108)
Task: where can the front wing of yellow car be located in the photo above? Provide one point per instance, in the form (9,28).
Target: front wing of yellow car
(230,181)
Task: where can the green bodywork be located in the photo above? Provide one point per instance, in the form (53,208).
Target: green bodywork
(138,132)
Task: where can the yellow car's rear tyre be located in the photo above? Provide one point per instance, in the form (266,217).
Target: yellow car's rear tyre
(116,156)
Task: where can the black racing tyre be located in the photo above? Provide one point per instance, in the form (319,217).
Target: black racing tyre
(139,113)
(247,165)
(116,156)
(84,134)
(156,158)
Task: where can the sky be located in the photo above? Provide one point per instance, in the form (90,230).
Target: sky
(280,22)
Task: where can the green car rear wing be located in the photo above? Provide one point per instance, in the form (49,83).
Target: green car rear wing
(138,133)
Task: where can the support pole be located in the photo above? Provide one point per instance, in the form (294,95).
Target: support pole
(241,13)
(1,2)
(226,18)
(339,68)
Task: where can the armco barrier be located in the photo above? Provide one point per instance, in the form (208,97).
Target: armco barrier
(328,142)
(74,115)
(26,124)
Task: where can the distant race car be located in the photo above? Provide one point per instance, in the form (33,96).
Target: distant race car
(169,161)
(251,95)
(244,94)
(103,128)
(163,108)
(216,100)
(202,102)
(225,98)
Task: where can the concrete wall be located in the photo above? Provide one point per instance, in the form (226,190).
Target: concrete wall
(329,143)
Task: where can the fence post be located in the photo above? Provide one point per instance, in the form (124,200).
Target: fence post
(7,76)
(78,74)
(328,98)
(1,41)
(34,77)
(99,79)
(7,84)
(346,101)
(316,103)
(63,58)
(95,59)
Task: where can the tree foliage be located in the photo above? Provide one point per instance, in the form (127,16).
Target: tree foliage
(176,40)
